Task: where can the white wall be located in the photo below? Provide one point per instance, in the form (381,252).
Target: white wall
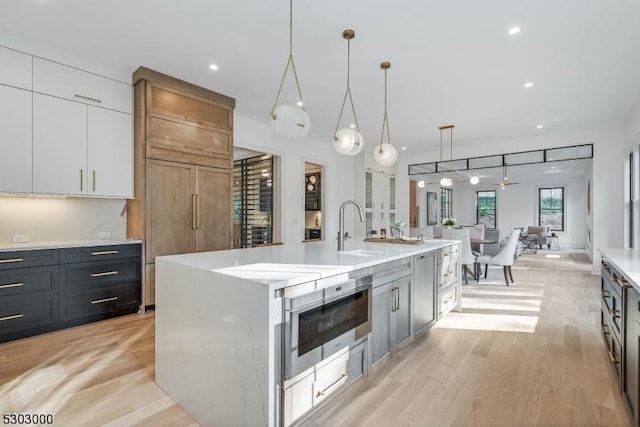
(337,179)
(608,176)
(517,206)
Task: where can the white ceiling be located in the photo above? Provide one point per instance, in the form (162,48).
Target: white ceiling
(452,61)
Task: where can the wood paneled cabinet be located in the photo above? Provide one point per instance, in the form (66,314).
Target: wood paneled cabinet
(188,208)
(183,170)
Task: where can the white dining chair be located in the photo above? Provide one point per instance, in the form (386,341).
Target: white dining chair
(503,258)
(476,233)
(467,258)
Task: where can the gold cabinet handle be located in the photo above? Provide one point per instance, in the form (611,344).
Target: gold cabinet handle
(333,385)
(193,211)
(11,285)
(613,358)
(106,273)
(103,253)
(606,294)
(6,261)
(93,173)
(15,316)
(86,98)
(81,179)
(100,301)
(197,211)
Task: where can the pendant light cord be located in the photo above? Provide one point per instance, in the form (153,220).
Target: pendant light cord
(347,93)
(291,63)
(385,119)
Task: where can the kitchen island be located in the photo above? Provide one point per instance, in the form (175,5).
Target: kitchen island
(223,321)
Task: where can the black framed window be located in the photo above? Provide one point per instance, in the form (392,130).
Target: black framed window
(446,203)
(486,212)
(253,201)
(551,208)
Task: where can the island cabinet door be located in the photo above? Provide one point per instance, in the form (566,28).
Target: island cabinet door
(400,312)
(631,350)
(424,279)
(381,325)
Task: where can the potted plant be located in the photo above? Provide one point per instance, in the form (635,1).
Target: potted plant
(399,227)
(449,222)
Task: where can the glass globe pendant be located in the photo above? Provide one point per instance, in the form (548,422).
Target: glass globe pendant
(348,141)
(385,153)
(287,120)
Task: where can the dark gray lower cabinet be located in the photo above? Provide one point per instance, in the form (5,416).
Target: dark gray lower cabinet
(391,316)
(49,289)
(631,352)
(424,280)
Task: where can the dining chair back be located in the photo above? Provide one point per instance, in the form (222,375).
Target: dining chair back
(476,233)
(503,258)
(467,258)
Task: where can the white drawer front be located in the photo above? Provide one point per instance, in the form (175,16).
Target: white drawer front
(15,69)
(62,81)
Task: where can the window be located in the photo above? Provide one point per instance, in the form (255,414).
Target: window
(446,204)
(486,208)
(253,201)
(551,208)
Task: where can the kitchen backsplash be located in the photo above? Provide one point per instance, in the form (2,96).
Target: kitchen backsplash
(59,219)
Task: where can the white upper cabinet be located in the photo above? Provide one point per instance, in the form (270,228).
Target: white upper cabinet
(71,83)
(15,68)
(68,133)
(110,155)
(15,140)
(59,146)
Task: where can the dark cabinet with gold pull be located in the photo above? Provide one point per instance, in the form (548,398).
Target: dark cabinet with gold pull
(49,289)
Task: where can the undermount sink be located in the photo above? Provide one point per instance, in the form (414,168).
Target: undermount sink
(362,252)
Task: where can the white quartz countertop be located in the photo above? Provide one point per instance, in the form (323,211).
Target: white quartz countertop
(627,261)
(285,265)
(8,247)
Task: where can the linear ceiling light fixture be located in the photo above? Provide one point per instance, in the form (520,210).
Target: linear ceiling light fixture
(288,120)
(385,154)
(447,182)
(348,140)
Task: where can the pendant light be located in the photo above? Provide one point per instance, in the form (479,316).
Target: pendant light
(348,141)
(288,120)
(385,154)
(447,182)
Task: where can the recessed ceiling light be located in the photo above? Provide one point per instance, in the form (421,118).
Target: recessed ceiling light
(528,85)
(213,67)
(540,126)
(474,180)
(403,148)
(421,183)
(513,31)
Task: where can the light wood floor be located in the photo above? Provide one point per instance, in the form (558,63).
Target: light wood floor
(527,355)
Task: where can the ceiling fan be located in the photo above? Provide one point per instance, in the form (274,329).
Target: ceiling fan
(505,179)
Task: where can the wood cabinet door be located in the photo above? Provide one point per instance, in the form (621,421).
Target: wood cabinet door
(169,209)
(213,219)
(15,140)
(59,146)
(110,153)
